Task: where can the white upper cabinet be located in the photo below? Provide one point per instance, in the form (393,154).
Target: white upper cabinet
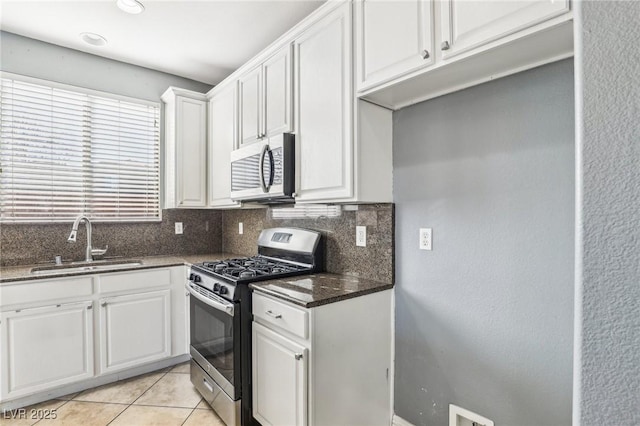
(393,37)
(469,24)
(277,93)
(265,98)
(471,42)
(185,149)
(222,140)
(344,151)
(250,89)
(324,100)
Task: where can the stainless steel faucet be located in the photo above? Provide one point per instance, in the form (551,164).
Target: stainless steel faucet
(90,252)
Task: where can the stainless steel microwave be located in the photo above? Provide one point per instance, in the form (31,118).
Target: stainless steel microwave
(264,171)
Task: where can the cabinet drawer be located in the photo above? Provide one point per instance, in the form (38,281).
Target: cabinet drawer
(133,280)
(289,318)
(45,290)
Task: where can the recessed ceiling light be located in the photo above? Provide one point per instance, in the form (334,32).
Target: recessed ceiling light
(130,6)
(93,39)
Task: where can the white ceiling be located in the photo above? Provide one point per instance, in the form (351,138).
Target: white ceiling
(203,40)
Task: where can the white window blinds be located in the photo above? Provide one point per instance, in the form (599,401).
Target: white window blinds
(65,152)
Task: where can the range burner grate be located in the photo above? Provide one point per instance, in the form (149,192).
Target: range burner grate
(251,267)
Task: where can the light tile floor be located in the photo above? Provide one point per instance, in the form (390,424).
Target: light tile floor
(165,397)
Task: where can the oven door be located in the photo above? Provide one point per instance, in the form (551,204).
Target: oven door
(215,337)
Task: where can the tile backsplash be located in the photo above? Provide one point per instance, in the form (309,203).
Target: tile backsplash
(212,231)
(33,243)
(375,261)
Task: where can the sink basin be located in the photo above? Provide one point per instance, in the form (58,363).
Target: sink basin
(99,265)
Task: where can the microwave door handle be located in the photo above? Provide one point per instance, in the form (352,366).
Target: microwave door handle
(227,308)
(263,154)
(272,170)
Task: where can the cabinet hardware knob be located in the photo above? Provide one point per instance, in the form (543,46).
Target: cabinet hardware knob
(298,357)
(103,304)
(425,54)
(89,307)
(445,45)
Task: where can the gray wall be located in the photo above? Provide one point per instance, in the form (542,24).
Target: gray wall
(607,388)
(34,58)
(21,55)
(485,320)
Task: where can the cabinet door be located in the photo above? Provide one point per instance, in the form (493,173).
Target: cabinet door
(470,24)
(135,329)
(250,95)
(191,140)
(276,74)
(223,134)
(324,100)
(279,379)
(394,37)
(45,347)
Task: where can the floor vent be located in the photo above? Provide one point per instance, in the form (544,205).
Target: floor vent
(458,416)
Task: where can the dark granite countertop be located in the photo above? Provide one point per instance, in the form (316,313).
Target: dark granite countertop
(318,289)
(23,272)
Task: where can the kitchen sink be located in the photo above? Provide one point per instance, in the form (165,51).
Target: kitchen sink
(99,265)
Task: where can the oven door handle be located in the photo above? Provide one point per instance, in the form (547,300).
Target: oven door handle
(227,308)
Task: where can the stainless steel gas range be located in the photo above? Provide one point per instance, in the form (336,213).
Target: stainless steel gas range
(220,315)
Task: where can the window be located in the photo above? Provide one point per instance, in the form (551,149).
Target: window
(66,151)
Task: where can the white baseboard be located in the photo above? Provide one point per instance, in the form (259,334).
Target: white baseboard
(90,383)
(399,421)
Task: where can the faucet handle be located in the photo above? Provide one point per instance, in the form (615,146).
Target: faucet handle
(99,252)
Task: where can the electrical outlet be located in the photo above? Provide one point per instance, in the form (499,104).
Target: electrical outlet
(426,240)
(361,236)
(240,228)
(179,228)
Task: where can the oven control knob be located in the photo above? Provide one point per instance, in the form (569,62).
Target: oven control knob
(191,277)
(216,287)
(196,278)
(223,290)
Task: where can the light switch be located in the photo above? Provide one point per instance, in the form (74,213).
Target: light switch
(178,228)
(240,228)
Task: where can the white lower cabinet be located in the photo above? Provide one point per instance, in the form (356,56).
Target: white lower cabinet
(44,347)
(134,329)
(279,379)
(327,365)
(62,331)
